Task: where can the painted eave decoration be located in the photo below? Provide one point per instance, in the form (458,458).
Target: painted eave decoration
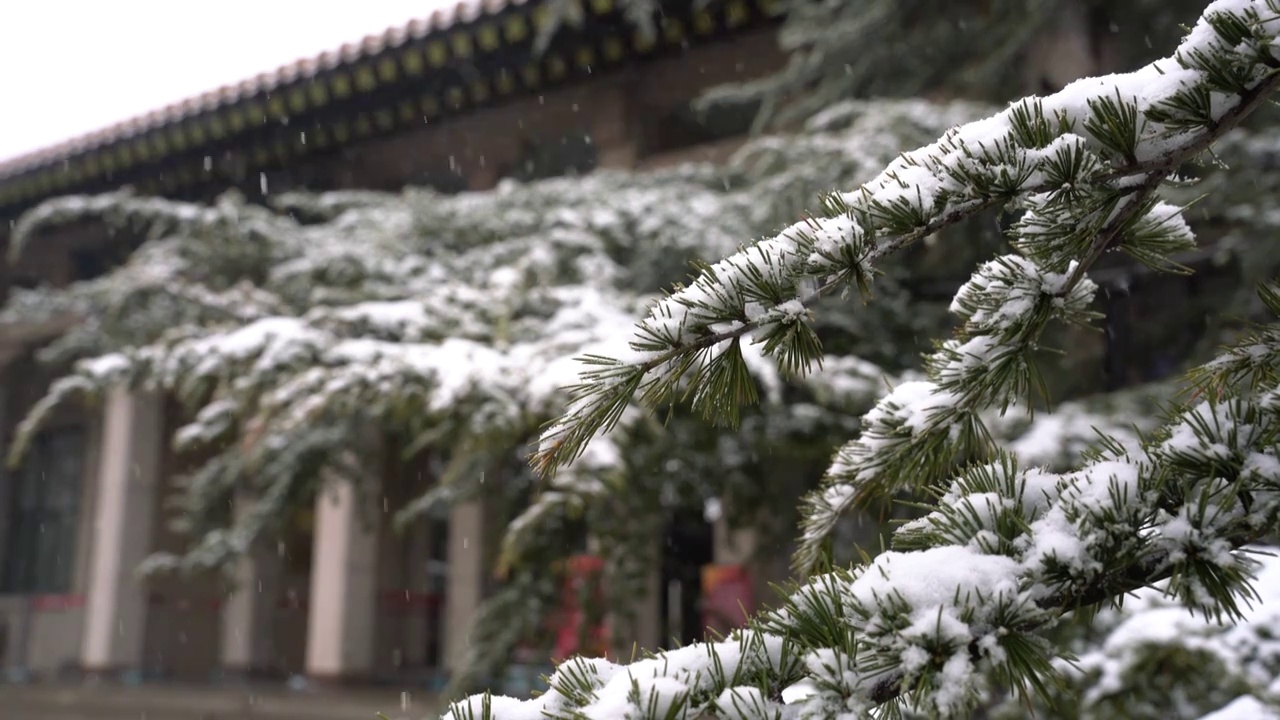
(479,52)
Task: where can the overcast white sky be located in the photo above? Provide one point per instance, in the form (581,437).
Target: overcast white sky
(69,67)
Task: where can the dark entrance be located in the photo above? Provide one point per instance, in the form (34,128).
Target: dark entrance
(689,546)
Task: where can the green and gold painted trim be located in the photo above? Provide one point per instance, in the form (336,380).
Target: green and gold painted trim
(295,113)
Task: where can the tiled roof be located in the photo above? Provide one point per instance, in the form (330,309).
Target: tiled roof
(460,14)
(474,53)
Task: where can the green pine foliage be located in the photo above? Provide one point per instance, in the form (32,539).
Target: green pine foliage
(1152,658)
(963,601)
(449,324)
(977,49)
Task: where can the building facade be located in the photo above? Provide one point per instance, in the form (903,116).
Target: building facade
(458,102)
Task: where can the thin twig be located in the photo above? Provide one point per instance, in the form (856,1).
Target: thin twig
(1158,169)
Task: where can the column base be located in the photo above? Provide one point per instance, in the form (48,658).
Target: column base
(246,675)
(338,682)
(110,675)
(17,675)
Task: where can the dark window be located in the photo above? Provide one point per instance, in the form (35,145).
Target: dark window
(44,514)
(91,262)
(297,536)
(573,153)
(87,264)
(690,545)
(26,281)
(449,182)
(690,126)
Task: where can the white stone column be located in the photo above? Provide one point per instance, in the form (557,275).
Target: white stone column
(648,628)
(6,474)
(248,617)
(464,584)
(128,478)
(344,585)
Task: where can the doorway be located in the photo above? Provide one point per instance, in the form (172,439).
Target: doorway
(688,546)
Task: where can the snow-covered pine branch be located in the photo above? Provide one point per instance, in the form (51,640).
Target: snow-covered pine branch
(1083,165)
(963,599)
(959,604)
(1152,658)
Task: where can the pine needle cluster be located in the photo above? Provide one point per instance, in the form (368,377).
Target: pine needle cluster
(962,600)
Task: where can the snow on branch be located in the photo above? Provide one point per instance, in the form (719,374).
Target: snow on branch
(1083,163)
(961,602)
(450,323)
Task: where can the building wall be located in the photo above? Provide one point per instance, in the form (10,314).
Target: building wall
(410,604)
(184,614)
(635,118)
(633,109)
(41,631)
(289,554)
(55,637)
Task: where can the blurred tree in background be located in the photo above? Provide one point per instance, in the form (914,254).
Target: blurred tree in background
(449,322)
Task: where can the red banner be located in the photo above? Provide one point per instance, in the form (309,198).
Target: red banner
(582,579)
(56,603)
(727,597)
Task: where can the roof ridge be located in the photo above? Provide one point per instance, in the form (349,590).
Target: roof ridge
(461,12)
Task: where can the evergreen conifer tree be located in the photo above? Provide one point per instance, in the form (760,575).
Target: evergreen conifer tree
(287,332)
(450,323)
(963,600)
